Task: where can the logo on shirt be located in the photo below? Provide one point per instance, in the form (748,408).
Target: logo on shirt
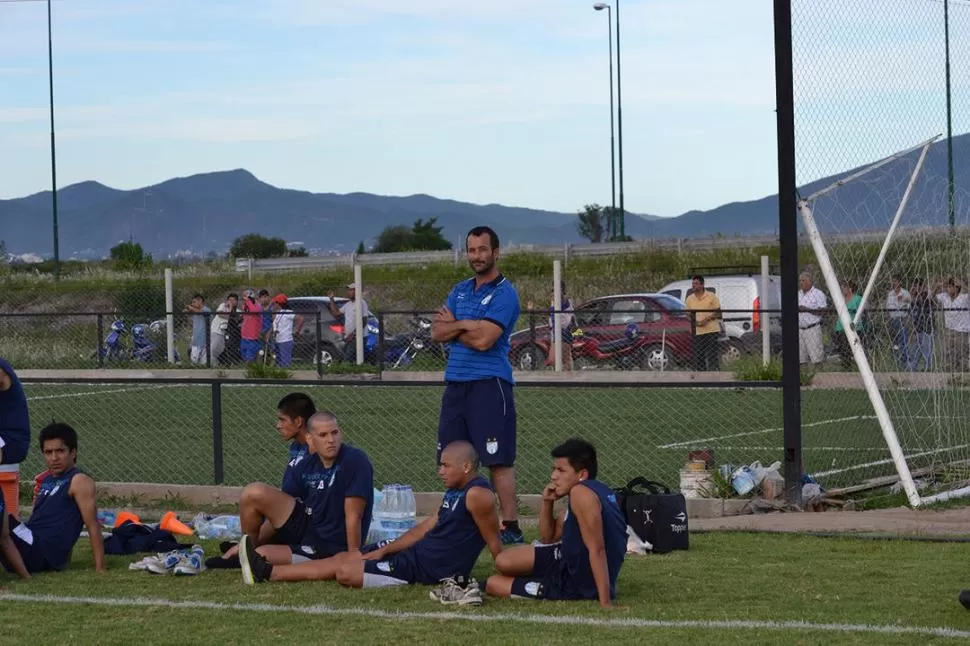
(295,461)
(491,445)
(487,299)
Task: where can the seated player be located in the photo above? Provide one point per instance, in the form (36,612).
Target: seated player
(442,548)
(14,421)
(292,414)
(324,507)
(591,535)
(65,503)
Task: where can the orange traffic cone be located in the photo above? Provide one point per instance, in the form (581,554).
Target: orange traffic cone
(172,524)
(126,517)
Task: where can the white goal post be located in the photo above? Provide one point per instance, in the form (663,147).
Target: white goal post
(832,283)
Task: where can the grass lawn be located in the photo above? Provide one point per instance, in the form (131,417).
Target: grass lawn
(725,577)
(163,433)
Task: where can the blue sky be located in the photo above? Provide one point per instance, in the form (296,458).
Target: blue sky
(485,101)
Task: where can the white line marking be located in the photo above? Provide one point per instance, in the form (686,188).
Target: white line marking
(847,449)
(560,620)
(877,463)
(677,445)
(103,392)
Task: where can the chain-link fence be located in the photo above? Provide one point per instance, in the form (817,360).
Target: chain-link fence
(882,110)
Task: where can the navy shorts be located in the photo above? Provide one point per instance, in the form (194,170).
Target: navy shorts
(14,449)
(481,412)
(397,569)
(31,553)
(545,582)
(297,533)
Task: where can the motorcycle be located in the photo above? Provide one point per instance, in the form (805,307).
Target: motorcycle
(113,347)
(628,351)
(145,347)
(402,349)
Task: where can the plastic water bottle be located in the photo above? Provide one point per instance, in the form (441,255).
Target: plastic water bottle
(376,533)
(410,508)
(106,518)
(222,527)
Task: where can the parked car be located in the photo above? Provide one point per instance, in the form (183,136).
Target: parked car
(332,345)
(739,291)
(662,322)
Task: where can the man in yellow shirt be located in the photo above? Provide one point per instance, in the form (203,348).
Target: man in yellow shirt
(705,311)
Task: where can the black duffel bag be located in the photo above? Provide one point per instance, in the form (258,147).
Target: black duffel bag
(656,515)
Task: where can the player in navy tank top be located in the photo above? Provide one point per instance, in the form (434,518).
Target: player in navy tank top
(445,545)
(582,550)
(65,503)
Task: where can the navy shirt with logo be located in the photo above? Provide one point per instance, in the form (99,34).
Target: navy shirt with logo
(56,520)
(497,302)
(452,546)
(14,419)
(323,490)
(577,575)
(297,453)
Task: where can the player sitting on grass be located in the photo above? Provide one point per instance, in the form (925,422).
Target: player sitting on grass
(591,535)
(442,548)
(292,414)
(325,505)
(14,421)
(66,502)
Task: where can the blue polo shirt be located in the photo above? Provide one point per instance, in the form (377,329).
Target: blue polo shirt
(497,302)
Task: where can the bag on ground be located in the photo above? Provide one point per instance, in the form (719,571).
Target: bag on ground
(658,516)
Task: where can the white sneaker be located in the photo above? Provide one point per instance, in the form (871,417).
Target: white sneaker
(451,593)
(143,564)
(189,565)
(164,563)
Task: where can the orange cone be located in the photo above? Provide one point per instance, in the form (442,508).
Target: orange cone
(126,517)
(172,524)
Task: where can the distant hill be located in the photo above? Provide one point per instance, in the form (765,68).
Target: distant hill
(206,212)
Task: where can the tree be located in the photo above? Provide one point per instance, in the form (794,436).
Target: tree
(423,236)
(253,245)
(130,255)
(3,252)
(360,248)
(297,252)
(591,223)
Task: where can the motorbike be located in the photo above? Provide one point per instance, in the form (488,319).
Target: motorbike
(628,351)
(113,347)
(401,349)
(146,342)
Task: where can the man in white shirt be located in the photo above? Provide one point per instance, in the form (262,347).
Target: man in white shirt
(898,302)
(286,326)
(811,306)
(217,329)
(956,324)
(348,313)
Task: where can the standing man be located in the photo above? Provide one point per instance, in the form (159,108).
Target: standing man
(14,420)
(898,302)
(922,315)
(811,306)
(252,325)
(956,324)
(287,324)
(705,309)
(198,308)
(348,313)
(478,405)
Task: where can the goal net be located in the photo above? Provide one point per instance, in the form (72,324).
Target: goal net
(890,398)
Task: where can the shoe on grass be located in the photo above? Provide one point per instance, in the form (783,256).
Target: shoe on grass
(452,592)
(255,568)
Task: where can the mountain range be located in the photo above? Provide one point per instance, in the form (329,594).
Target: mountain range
(206,212)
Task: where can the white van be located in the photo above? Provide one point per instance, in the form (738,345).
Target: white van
(740,292)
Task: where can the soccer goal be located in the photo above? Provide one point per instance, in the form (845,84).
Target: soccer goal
(883,250)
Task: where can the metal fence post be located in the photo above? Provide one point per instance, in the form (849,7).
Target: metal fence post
(218,466)
(100,341)
(316,344)
(532,336)
(380,344)
(208,339)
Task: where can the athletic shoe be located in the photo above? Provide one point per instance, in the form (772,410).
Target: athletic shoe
(189,565)
(255,568)
(511,537)
(965,598)
(452,592)
(222,563)
(164,563)
(142,565)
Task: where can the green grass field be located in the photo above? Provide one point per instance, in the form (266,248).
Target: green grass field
(163,432)
(728,588)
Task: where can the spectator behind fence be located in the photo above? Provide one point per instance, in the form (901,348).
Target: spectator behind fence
(898,302)
(956,324)
(252,323)
(224,325)
(922,319)
(705,309)
(198,308)
(286,327)
(852,302)
(811,305)
(347,314)
(567,325)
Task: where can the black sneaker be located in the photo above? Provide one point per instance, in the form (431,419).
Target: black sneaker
(965,598)
(255,568)
(223,563)
(225,546)
(511,537)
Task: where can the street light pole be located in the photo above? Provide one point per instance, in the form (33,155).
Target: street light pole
(609,33)
(619,121)
(50,80)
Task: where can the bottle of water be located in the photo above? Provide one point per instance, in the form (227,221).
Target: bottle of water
(410,508)
(221,527)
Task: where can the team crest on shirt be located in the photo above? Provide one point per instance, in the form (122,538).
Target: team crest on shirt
(491,446)
(533,589)
(487,299)
(384,566)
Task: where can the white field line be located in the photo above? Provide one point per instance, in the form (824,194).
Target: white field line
(555,620)
(822,474)
(837,420)
(105,391)
(840,449)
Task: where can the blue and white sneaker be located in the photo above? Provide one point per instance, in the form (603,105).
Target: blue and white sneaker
(164,563)
(511,537)
(191,563)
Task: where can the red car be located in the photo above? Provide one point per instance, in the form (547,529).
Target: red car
(662,323)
